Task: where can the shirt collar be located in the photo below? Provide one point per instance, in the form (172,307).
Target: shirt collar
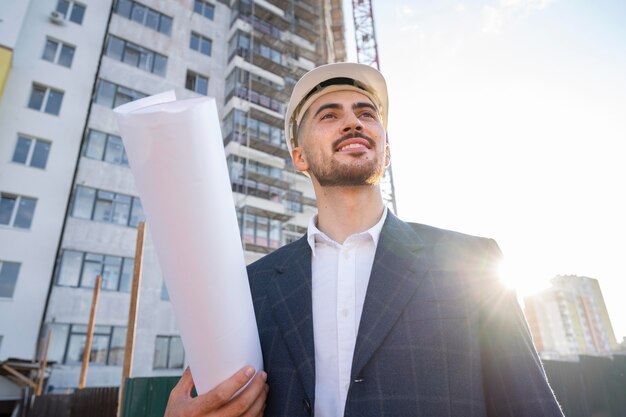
(314,233)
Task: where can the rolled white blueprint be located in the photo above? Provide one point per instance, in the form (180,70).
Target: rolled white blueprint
(176,154)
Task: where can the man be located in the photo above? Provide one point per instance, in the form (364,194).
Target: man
(367,315)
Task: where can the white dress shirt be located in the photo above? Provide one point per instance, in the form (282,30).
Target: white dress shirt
(340,274)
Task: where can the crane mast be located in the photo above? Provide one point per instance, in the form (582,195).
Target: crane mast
(367,53)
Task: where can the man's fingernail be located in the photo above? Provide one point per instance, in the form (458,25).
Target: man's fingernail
(249,372)
(264,376)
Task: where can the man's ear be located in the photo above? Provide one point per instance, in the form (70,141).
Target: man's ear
(299,161)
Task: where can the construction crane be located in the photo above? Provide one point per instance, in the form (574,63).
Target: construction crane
(367,53)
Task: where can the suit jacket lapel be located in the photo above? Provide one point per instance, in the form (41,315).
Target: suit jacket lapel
(289,293)
(398,269)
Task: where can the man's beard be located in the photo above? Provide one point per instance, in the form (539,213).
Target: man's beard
(359,172)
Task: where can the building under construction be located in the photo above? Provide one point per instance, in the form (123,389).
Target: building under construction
(69,206)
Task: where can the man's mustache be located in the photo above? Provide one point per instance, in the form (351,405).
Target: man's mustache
(351,135)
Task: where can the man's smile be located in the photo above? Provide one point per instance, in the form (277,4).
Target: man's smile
(360,143)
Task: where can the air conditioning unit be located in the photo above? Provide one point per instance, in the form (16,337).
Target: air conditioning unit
(57,18)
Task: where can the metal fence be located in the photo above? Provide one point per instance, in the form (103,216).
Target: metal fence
(91,402)
(592,387)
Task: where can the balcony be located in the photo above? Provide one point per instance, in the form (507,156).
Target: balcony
(274,181)
(256,58)
(261,144)
(255,97)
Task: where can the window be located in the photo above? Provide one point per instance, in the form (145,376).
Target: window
(8,278)
(106,206)
(16,210)
(80,269)
(168,353)
(136,55)
(58,52)
(236,124)
(196,82)
(260,230)
(105,147)
(144,15)
(72,11)
(45,99)
(31,151)
(200,43)
(113,95)
(205,9)
(68,344)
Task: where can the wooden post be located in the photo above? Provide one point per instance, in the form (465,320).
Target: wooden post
(132,313)
(92,322)
(43,362)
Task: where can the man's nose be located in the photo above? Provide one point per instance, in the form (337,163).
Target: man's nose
(352,122)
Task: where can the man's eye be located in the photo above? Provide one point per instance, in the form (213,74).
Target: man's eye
(368,114)
(328,116)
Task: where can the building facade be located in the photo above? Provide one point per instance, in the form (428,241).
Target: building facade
(69,206)
(570,319)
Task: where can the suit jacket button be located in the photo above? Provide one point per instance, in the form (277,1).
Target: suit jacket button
(307,406)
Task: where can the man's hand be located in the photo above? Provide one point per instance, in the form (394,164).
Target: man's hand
(219,402)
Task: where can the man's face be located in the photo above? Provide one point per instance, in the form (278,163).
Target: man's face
(342,141)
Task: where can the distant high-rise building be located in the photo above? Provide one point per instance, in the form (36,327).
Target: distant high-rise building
(69,208)
(570,319)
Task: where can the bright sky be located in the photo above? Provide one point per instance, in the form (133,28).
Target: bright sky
(508,120)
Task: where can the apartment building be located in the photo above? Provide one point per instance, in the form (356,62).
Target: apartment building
(570,319)
(69,207)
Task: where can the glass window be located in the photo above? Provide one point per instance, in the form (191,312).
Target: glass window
(39,158)
(22,149)
(205,9)
(165,25)
(92,267)
(25,212)
(83,202)
(7,206)
(37,97)
(200,43)
(196,82)
(118,343)
(121,209)
(160,352)
(16,211)
(123,8)
(53,104)
(126,277)
(63,6)
(176,354)
(58,341)
(69,272)
(152,19)
(96,141)
(50,50)
(8,278)
(111,272)
(115,150)
(136,213)
(104,206)
(78,13)
(66,56)
(139,13)
(160,65)
(115,48)
(105,93)
(168,353)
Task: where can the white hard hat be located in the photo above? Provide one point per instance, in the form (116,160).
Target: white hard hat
(334,77)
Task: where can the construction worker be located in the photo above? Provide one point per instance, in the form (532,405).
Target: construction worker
(367,315)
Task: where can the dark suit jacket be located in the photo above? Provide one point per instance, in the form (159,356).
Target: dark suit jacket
(439,335)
